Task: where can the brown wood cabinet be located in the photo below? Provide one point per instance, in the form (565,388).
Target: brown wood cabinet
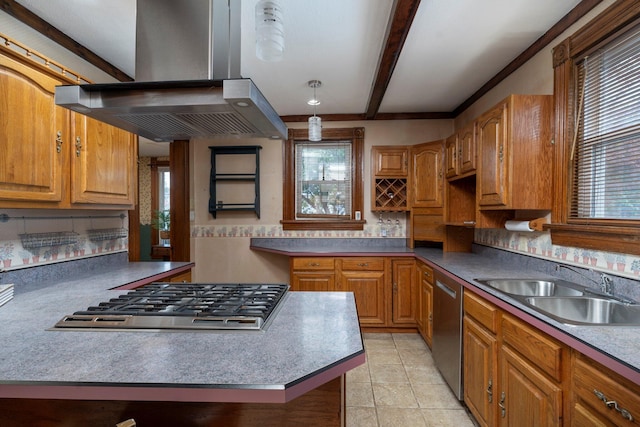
(600,397)
(461,152)
(513,373)
(480,358)
(52,157)
(405,295)
(514,153)
(530,365)
(389,177)
(426,221)
(384,288)
(427,176)
(365,277)
(32,160)
(390,160)
(424,317)
(103,160)
(312,274)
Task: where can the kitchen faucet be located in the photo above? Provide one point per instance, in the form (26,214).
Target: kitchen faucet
(606,283)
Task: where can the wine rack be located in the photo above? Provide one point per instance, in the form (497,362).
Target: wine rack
(390,194)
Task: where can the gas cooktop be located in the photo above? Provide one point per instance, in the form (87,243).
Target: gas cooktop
(183,306)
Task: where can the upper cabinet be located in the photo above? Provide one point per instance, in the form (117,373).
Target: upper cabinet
(390,161)
(32,136)
(427,175)
(53,158)
(461,153)
(514,154)
(102,163)
(390,170)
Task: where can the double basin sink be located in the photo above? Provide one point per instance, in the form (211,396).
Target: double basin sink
(568,302)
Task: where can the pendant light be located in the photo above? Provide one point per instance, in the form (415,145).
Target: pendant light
(269,31)
(315,122)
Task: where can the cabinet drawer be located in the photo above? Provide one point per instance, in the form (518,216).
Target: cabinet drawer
(363,264)
(321,263)
(543,351)
(426,273)
(482,311)
(593,382)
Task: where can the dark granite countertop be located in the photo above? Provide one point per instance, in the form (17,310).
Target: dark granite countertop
(314,338)
(615,346)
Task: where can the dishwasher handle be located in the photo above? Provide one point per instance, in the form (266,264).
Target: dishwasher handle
(451,292)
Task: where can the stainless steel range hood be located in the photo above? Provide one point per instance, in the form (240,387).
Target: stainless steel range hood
(188,81)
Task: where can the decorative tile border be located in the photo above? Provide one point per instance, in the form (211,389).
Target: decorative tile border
(538,244)
(14,256)
(274,231)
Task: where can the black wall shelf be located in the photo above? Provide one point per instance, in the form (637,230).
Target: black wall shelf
(217,179)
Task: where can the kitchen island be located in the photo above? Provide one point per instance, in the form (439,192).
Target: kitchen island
(294,368)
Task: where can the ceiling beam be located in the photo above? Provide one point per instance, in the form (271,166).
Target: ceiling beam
(402,14)
(29,18)
(379,116)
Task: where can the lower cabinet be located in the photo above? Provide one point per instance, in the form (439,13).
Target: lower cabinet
(480,358)
(424,316)
(385,290)
(513,373)
(405,295)
(527,397)
(312,274)
(601,397)
(531,376)
(180,277)
(365,277)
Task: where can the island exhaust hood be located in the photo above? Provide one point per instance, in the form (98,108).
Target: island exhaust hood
(188,81)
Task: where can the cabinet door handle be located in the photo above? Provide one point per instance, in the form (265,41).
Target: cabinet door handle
(59,141)
(490,391)
(313,264)
(503,410)
(363,264)
(501,154)
(426,273)
(78,146)
(613,404)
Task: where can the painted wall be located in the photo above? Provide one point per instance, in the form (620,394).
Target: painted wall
(220,247)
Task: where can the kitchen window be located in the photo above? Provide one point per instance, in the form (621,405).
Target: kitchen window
(323,185)
(606,149)
(597,169)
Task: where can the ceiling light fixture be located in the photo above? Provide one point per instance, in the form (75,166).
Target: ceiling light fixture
(269,31)
(315,122)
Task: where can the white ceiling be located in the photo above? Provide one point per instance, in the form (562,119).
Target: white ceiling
(452,49)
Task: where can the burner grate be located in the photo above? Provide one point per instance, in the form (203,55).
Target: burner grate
(234,305)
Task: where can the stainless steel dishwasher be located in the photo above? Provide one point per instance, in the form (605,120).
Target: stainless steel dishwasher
(446,345)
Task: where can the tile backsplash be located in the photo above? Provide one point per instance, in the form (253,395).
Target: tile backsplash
(538,244)
(33,238)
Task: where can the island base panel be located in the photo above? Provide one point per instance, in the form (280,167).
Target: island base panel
(323,406)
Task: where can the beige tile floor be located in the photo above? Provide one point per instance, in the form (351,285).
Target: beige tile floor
(400,386)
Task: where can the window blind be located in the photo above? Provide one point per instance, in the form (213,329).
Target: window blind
(606,152)
(323,179)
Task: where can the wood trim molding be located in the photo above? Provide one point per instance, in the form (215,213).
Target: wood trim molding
(180,233)
(289,221)
(24,15)
(380,116)
(616,236)
(612,239)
